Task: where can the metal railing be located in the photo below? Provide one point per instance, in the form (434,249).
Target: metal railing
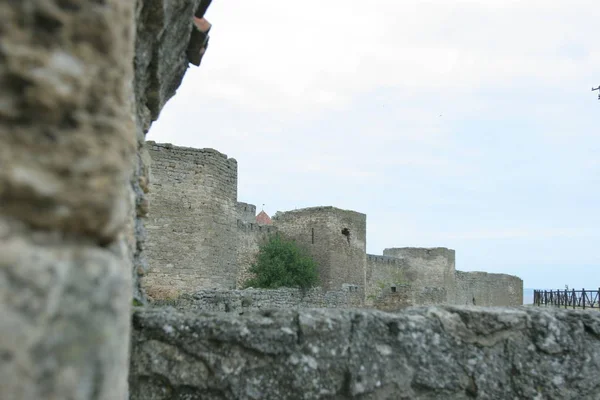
(567,298)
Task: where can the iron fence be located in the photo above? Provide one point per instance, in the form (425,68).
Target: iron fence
(567,298)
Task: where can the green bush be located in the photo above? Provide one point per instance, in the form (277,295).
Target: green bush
(281,263)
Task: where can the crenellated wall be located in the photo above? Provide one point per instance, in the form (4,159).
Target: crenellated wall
(191,227)
(246,212)
(200,236)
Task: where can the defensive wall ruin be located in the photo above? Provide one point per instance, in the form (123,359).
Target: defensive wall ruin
(240,301)
(82,82)
(201,237)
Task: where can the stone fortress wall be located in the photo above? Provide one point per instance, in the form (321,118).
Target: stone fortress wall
(193,220)
(482,288)
(335,238)
(427,267)
(239,301)
(200,237)
(71,236)
(382,273)
(246,212)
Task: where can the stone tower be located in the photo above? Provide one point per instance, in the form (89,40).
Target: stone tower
(335,238)
(192,223)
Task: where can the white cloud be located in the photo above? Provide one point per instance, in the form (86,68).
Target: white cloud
(282,56)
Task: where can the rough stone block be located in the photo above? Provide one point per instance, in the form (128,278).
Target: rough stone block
(67,132)
(64,316)
(421,353)
(66,160)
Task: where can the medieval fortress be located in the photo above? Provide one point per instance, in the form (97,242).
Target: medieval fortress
(82,82)
(201,242)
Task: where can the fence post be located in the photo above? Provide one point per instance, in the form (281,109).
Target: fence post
(566,294)
(573,298)
(583,297)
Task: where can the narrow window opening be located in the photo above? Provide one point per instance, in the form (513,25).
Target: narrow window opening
(393,289)
(346,232)
(313,236)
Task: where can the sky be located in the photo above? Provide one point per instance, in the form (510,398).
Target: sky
(462,124)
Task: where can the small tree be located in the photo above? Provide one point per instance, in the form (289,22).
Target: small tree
(281,263)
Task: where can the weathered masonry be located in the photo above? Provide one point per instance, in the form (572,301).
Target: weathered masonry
(73,201)
(201,237)
(193,220)
(335,238)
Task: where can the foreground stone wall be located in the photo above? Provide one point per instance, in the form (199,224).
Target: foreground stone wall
(423,353)
(258,299)
(191,226)
(163,33)
(485,289)
(66,160)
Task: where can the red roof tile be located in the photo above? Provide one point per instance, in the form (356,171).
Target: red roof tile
(263,219)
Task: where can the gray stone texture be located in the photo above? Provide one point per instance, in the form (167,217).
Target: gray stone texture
(191,227)
(428,276)
(398,297)
(246,212)
(239,301)
(422,353)
(65,114)
(428,267)
(200,236)
(382,273)
(68,145)
(482,288)
(341,258)
(163,32)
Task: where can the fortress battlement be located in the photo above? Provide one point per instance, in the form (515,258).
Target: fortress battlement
(201,237)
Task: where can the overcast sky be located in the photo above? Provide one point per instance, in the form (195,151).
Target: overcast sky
(461,124)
